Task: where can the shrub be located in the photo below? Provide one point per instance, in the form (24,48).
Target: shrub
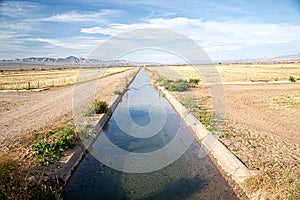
(118,92)
(100,106)
(178,85)
(194,82)
(292,79)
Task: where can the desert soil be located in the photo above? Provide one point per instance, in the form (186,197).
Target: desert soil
(262,129)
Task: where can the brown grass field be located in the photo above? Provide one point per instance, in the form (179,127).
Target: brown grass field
(233,72)
(28,79)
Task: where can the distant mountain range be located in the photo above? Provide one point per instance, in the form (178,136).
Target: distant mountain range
(284,58)
(68,62)
(73,61)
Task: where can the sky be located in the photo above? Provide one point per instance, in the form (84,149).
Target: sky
(225,30)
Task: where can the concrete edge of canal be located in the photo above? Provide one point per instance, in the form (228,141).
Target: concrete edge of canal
(225,159)
(73,161)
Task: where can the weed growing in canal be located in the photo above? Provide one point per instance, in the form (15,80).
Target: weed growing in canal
(178,85)
(49,151)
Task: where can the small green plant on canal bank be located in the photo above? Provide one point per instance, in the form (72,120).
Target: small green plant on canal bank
(205,116)
(118,92)
(97,107)
(50,151)
(84,130)
(100,106)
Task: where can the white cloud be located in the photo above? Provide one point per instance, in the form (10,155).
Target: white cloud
(74,16)
(16,8)
(70,43)
(214,35)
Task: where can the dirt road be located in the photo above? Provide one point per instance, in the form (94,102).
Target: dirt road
(22,113)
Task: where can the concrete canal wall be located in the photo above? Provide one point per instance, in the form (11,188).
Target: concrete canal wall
(228,162)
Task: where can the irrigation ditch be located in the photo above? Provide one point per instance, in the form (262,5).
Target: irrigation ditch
(225,161)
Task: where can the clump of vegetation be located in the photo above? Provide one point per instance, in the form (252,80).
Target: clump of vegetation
(100,106)
(194,82)
(225,136)
(13,183)
(205,116)
(48,151)
(292,79)
(118,92)
(84,130)
(89,112)
(178,85)
(97,107)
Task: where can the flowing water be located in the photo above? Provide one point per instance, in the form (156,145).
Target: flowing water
(188,177)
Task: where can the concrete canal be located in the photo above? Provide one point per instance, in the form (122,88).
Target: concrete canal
(144,123)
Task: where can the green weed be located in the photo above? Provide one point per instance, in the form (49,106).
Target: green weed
(205,116)
(84,130)
(178,85)
(118,92)
(48,152)
(194,82)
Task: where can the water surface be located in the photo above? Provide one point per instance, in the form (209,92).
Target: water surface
(189,177)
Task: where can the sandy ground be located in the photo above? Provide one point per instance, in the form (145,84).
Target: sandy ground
(261,128)
(22,113)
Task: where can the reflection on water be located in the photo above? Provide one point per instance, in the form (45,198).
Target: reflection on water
(189,177)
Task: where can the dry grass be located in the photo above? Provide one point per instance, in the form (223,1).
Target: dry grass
(259,72)
(18,183)
(233,72)
(49,78)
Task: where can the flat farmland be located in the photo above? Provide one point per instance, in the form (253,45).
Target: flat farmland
(232,72)
(29,79)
